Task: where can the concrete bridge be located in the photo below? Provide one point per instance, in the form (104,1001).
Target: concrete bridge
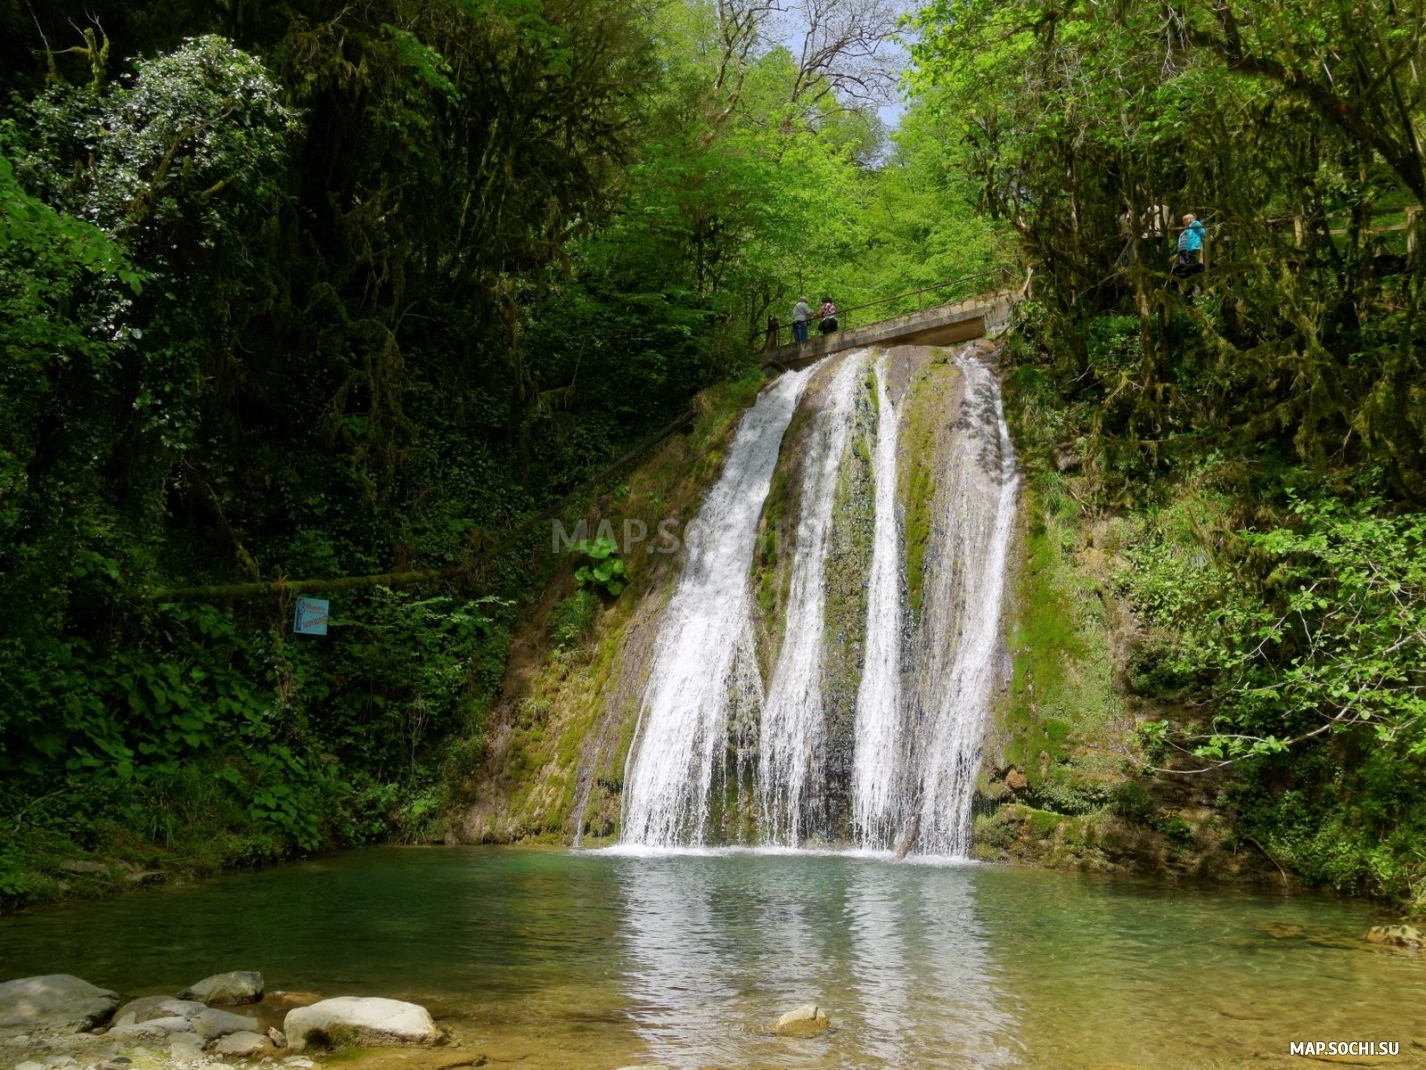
(959,321)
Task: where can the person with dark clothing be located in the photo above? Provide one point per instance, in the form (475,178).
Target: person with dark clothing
(827,315)
(1156,229)
(1126,231)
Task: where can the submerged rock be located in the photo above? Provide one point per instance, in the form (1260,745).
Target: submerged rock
(56,1002)
(367,1021)
(211,1024)
(243,1043)
(286,1001)
(226,989)
(1396,936)
(807,1020)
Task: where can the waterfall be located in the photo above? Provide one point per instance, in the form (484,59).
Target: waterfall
(704,652)
(708,732)
(876,770)
(793,727)
(963,589)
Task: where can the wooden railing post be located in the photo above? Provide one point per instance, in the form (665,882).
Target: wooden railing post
(1413,221)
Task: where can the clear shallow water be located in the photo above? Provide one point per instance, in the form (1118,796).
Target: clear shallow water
(543,958)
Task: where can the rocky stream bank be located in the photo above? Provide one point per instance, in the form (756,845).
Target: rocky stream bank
(62,1022)
(57,1021)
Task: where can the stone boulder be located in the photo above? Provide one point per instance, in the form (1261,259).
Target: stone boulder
(153,1028)
(807,1020)
(54,1003)
(243,1043)
(146,1008)
(210,1023)
(185,1046)
(1396,936)
(363,1021)
(226,989)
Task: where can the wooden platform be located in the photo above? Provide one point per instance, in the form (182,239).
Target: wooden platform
(944,325)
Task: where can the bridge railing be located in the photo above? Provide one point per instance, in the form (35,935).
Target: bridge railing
(937,294)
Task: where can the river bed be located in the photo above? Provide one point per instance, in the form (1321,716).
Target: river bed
(562,959)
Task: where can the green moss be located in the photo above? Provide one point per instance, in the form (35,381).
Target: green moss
(923,425)
(1064,714)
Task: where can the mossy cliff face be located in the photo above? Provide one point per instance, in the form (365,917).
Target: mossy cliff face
(1061,781)
(1064,780)
(560,735)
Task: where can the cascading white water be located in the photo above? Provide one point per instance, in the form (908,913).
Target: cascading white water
(919,711)
(962,595)
(705,651)
(877,760)
(793,728)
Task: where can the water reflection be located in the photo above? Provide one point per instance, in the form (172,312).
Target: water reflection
(718,946)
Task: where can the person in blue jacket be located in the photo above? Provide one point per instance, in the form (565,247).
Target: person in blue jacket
(1190,247)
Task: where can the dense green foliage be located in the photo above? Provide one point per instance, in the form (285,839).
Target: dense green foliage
(320,291)
(1259,424)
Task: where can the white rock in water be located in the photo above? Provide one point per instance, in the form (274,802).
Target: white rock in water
(365,1021)
(226,989)
(30,1065)
(153,1027)
(298,1062)
(211,1024)
(244,1043)
(56,1002)
(146,1008)
(806,1021)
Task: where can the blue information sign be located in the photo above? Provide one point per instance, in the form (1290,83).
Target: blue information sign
(311,617)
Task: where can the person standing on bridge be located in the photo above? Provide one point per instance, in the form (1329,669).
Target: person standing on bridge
(827,314)
(801,315)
